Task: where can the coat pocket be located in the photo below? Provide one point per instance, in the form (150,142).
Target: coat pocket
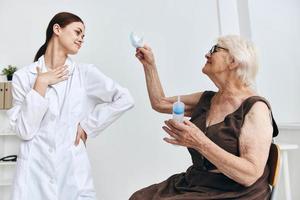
(82,168)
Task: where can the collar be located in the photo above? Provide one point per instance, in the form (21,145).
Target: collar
(41,64)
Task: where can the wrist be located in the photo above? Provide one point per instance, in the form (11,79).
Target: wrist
(150,68)
(41,81)
(202,144)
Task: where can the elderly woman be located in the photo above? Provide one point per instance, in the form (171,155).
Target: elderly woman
(229,133)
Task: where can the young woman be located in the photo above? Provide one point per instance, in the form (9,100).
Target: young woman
(57,105)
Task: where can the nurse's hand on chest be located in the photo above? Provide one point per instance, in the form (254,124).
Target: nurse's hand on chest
(50,77)
(81,135)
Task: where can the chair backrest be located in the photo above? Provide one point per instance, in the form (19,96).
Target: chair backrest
(274,164)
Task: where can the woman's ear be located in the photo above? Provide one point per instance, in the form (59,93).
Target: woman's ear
(56,29)
(233,64)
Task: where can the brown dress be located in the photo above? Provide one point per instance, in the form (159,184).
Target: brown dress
(197,183)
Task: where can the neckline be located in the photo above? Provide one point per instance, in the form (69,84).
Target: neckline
(229,114)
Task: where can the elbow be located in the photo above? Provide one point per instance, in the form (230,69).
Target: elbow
(251,179)
(158,106)
(25,137)
(155,107)
(248,183)
(128,101)
(24,132)
(131,104)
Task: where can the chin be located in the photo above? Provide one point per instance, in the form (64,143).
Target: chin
(73,52)
(204,70)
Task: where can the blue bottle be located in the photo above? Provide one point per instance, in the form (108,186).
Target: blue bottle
(178,110)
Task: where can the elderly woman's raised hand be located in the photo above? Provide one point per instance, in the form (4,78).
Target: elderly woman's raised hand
(184,134)
(145,56)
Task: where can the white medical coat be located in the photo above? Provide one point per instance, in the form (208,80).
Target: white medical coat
(50,166)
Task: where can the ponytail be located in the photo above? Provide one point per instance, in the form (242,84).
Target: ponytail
(40,52)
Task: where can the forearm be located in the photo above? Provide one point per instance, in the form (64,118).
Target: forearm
(26,116)
(40,86)
(154,87)
(102,116)
(238,169)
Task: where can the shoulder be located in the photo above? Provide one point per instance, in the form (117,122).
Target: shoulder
(258,112)
(206,96)
(259,108)
(86,68)
(91,73)
(256,105)
(27,69)
(24,73)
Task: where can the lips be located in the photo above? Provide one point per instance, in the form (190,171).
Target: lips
(78,45)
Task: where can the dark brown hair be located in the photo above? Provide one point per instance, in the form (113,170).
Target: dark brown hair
(62,19)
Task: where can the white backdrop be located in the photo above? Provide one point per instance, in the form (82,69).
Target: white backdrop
(130,154)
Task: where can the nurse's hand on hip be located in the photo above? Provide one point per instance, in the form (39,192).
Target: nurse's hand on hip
(50,77)
(81,135)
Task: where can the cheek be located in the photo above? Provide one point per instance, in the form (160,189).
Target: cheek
(65,41)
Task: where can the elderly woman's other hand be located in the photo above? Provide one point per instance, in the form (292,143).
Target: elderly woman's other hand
(184,134)
(145,56)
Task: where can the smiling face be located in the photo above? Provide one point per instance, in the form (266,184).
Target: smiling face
(217,61)
(70,37)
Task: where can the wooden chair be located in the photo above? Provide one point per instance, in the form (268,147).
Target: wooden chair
(274,163)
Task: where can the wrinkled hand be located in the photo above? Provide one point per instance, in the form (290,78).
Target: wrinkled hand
(54,76)
(184,134)
(145,56)
(81,135)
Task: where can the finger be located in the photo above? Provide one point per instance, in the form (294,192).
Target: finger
(83,138)
(171,141)
(177,125)
(63,67)
(63,78)
(143,50)
(139,56)
(188,122)
(60,69)
(146,46)
(64,73)
(83,134)
(172,127)
(77,140)
(170,132)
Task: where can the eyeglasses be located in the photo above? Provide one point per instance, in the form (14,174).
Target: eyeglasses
(12,158)
(215,48)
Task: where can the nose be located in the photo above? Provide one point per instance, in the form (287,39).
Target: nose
(208,55)
(80,40)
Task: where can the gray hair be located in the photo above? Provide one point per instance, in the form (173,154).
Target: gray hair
(244,52)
